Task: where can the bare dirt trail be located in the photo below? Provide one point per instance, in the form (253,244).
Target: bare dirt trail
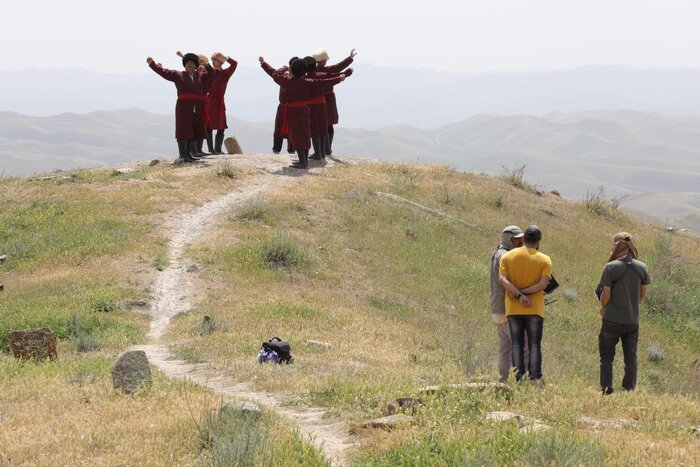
(173,294)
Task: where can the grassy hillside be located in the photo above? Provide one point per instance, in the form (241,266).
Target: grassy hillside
(399,293)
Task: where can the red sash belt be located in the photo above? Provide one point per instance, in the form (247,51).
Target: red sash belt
(294,105)
(193,96)
(317,100)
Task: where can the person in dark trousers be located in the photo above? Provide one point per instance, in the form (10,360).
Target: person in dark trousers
(524,273)
(215,104)
(511,237)
(321,56)
(624,281)
(190,124)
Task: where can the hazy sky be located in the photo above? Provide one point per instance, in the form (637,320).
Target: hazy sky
(469,36)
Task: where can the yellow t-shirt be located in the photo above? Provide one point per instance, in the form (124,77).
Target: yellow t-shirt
(524,267)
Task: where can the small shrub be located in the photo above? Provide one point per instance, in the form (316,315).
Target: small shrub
(499,203)
(516,177)
(450,197)
(563,450)
(105,305)
(656,378)
(234,437)
(87,343)
(656,354)
(161,262)
(256,211)
(599,204)
(410,232)
(283,252)
(569,295)
(226,169)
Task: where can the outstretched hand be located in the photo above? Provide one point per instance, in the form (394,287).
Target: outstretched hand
(342,77)
(261,60)
(149,60)
(180,54)
(353,52)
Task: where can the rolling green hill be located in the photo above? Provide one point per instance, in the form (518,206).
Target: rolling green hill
(384,264)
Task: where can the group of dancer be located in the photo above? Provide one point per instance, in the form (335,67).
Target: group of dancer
(200,107)
(306,112)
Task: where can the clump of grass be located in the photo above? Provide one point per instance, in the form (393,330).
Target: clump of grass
(499,203)
(225,168)
(87,342)
(210,325)
(656,378)
(283,252)
(569,295)
(598,203)
(516,177)
(563,449)
(656,354)
(160,262)
(104,305)
(450,197)
(256,211)
(410,232)
(188,354)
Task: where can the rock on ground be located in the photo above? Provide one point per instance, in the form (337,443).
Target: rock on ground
(591,422)
(130,371)
(390,422)
(37,344)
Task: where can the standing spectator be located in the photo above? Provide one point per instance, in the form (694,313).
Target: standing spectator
(524,274)
(624,280)
(215,104)
(512,237)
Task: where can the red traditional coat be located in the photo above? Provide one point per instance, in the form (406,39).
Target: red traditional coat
(282,106)
(331,105)
(216,106)
(189,110)
(298,92)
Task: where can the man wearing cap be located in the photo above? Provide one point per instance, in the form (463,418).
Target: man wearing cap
(512,237)
(624,280)
(524,274)
(321,56)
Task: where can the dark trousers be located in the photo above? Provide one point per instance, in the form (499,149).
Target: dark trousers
(610,333)
(532,325)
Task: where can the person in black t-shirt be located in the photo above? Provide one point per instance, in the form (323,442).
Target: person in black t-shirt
(624,280)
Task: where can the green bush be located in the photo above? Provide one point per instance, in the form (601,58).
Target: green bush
(283,252)
(563,450)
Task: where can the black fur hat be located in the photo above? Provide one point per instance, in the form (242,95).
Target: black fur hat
(298,68)
(190,57)
(310,64)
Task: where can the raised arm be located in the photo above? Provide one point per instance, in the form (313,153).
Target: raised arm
(266,67)
(340,66)
(170,75)
(231,62)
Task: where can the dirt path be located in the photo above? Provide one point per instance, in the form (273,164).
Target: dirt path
(173,294)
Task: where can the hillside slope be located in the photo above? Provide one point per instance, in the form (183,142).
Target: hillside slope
(340,256)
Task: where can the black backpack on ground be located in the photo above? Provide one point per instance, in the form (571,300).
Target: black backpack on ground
(281,347)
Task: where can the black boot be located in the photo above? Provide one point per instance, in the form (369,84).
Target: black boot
(182,149)
(219,141)
(323,144)
(277,145)
(290,147)
(210,142)
(297,164)
(192,151)
(317,149)
(329,145)
(200,145)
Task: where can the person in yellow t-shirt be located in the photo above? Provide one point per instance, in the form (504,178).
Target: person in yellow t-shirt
(524,274)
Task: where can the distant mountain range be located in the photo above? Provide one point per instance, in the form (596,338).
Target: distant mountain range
(652,159)
(376,96)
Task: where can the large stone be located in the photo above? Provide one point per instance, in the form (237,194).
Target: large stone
(535,427)
(502,416)
(596,423)
(390,422)
(36,344)
(232,146)
(130,371)
(244,408)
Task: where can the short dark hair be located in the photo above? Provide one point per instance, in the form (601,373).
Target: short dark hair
(533,234)
(298,68)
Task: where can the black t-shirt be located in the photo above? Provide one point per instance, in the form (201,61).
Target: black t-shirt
(625,279)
